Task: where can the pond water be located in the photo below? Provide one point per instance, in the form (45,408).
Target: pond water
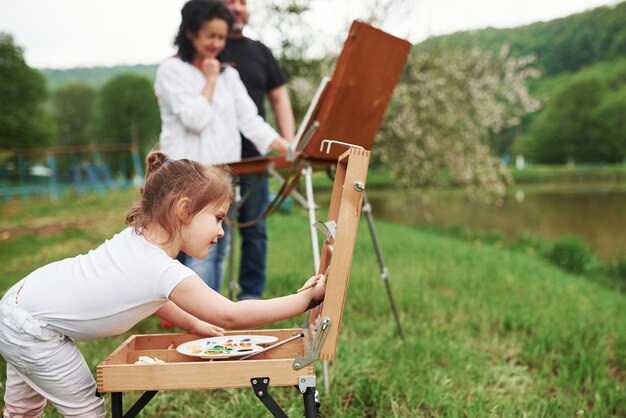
(593,212)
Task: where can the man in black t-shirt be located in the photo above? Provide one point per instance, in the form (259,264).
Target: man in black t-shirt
(261,75)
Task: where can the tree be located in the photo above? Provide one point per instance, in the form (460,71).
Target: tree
(23,122)
(444,108)
(73,109)
(129,112)
(569,127)
(611,120)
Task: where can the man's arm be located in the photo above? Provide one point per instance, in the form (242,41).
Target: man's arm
(282,111)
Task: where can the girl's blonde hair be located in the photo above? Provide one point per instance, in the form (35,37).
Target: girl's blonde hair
(167,182)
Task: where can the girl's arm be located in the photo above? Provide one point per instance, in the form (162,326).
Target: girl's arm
(181,319)
(199,300)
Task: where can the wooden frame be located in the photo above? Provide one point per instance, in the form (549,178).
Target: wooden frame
(358,93)
(290,364)
(350,106)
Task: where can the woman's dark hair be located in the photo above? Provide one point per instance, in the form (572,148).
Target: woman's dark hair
(169,181)
(193,15)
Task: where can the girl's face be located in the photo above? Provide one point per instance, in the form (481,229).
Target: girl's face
(204,230)
(210,39)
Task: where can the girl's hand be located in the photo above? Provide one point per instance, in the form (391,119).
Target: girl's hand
(316,286)
(206,329)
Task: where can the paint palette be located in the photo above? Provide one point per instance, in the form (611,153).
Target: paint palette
(226,346)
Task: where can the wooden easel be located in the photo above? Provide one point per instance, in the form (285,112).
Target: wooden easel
(289,364)
(347,108)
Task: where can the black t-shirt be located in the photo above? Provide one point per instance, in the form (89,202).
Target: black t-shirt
(259,72)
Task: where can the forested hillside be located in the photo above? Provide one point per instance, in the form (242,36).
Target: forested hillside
(561,45)
(582,59)
(93,76)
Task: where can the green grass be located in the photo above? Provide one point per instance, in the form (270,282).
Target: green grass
(564,173)
(488,331)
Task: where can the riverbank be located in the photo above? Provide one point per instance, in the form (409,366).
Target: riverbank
(570,173)
(488,330)
(380,178)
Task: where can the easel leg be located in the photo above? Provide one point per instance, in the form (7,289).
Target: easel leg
(310,404)
(310,204)
(384,274)
(232,284)
(308,178)
(140,404)
(260,385)
(117,410)
(294,193)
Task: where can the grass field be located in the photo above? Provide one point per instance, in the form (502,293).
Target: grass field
(488,332)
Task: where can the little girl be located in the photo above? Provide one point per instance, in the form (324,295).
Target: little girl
(127,278)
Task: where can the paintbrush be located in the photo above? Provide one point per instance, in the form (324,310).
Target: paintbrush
(311,285)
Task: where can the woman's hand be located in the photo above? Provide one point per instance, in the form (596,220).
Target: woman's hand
(280,145)
(210,68)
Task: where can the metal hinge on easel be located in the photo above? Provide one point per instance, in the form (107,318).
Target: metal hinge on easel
(315,347)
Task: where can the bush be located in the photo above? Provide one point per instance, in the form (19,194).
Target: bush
(617,269)
(572,255)
(531,245)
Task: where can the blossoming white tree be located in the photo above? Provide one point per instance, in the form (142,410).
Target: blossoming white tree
(447,104)
(435,131)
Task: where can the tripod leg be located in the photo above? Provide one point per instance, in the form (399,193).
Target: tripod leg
(310,404)
(260,385)
(308,173)
(384,274)
(232,284)
(117,408)
(294,193)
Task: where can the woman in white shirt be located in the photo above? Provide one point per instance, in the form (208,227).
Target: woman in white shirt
(205,107)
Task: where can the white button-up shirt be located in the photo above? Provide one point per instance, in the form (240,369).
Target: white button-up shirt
(195,129)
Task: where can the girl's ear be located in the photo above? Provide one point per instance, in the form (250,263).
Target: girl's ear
(190,35)
(182,210)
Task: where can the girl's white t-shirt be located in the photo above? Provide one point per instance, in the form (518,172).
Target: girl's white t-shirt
(104,292)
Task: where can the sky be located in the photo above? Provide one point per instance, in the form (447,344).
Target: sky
(87,33)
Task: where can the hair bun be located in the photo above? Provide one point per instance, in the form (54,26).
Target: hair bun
(154,161)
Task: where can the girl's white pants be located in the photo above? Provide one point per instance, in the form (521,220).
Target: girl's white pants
(43,364)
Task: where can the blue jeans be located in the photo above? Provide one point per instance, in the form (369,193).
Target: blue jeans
(210,268)
(253,238)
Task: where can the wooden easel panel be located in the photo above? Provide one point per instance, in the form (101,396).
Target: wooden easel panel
(359,91)
(336,259)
